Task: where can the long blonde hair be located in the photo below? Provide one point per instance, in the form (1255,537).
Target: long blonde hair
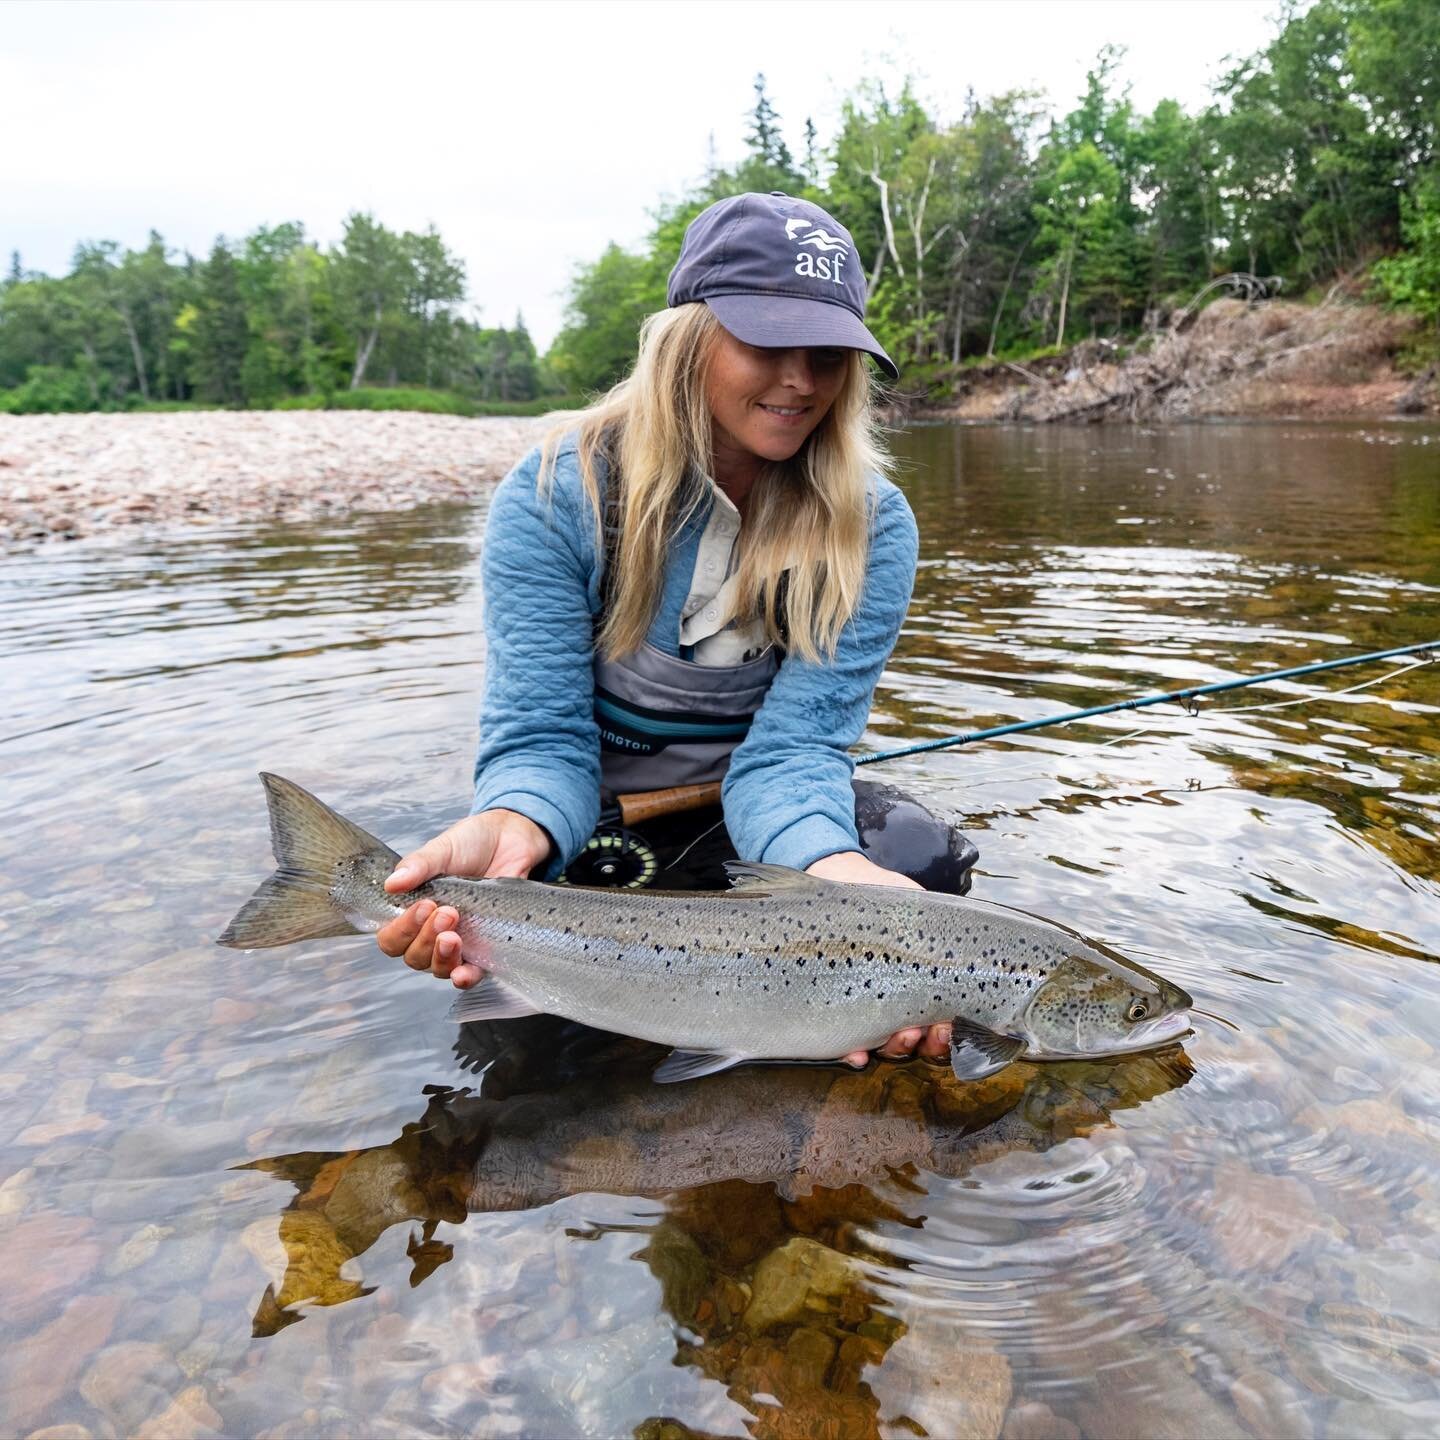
(808,521)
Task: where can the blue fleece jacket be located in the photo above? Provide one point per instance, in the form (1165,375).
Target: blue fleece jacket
(787,795)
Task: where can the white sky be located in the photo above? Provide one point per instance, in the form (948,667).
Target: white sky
(531,133)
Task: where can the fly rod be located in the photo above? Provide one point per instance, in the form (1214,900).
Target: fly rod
(1140,702)
(646,805)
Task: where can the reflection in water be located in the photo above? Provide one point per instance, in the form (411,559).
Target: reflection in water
(557,1247)
(770,1178)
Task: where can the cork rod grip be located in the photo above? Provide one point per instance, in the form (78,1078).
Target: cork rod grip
(649,804)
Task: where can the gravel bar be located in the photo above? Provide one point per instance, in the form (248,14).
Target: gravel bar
(67,476)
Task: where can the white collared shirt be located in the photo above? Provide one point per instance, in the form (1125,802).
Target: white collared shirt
(705,618)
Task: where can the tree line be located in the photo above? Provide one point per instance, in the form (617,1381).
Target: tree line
(1003,232)
(261,321)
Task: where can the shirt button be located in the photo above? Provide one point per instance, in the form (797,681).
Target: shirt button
(710,613)
(709,567)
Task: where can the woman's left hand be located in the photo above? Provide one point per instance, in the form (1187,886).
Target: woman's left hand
(852,868)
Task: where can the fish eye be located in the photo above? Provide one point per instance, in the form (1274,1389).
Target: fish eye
(1138,1010)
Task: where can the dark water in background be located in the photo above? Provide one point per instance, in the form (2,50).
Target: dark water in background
(234,1189)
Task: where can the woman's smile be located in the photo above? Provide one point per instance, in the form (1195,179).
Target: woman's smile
(785,412)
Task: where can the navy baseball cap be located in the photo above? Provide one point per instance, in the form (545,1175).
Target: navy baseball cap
(776,272)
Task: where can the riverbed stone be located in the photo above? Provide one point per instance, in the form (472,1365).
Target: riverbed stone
(1270,1406)
(138,1248)
(129,1382)
(189,1416)
(943,1379)
(40,1370)
(41,1259)
(798,1276)
(1031,1420)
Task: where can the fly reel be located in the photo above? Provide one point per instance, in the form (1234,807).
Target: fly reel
(613,857)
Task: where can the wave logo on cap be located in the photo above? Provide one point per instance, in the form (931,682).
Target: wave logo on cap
(825,266)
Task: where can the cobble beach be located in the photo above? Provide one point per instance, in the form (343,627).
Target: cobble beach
(67,476)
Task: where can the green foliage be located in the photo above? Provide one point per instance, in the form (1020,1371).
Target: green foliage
(47,390)
(1412,278)
(215,332)
(608,301)
(506,366)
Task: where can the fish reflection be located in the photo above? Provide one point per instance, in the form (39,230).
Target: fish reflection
(750,1163)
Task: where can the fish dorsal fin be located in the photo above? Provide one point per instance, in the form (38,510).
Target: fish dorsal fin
(976,1052)
(691,1064)
(491,999)
(752,875)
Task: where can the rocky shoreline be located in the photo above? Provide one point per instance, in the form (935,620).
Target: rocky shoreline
(1237,359)
(63,477)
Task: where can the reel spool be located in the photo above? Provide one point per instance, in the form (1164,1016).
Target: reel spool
(614,857)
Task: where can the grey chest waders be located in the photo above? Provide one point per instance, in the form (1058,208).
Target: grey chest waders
(665,724)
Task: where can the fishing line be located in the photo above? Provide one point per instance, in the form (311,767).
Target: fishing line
(709,831)
(1325,695)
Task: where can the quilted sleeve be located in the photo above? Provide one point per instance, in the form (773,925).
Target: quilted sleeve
(539,748)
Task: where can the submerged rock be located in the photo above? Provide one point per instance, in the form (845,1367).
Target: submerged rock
(801,1275)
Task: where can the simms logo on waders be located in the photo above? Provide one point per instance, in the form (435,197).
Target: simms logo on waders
(825,266)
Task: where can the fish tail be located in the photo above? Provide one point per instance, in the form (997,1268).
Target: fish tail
(295,903)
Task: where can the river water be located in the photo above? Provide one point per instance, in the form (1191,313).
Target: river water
(270,1193)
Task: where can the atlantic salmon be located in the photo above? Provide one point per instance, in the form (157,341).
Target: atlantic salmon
(782,966)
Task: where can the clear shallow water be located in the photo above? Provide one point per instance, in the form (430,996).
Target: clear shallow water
(265,1194)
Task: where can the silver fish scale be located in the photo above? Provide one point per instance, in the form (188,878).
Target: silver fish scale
(809,969)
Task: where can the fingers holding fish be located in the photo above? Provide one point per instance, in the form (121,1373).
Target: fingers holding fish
(935,1044)
(396,937)
(447,958)
(930,1043)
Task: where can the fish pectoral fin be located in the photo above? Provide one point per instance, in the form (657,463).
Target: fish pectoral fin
(492,999)
(753,875)
(976,1052)
(691,1064)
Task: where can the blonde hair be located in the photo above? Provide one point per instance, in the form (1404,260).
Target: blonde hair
(807,531)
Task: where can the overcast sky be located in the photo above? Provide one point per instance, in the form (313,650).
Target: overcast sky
(531,134)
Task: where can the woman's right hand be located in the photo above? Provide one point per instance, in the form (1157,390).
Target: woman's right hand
(484,846)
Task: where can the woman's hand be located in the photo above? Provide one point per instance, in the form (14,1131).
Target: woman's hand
(482,847)
(853,868)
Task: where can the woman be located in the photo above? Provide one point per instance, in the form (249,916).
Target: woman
(702,577)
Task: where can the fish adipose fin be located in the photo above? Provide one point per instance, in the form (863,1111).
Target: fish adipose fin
(691,1064)
(308,839)
(752,875)
(976,1052)
(492,999)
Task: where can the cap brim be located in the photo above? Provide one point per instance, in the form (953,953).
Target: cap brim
(781,321)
